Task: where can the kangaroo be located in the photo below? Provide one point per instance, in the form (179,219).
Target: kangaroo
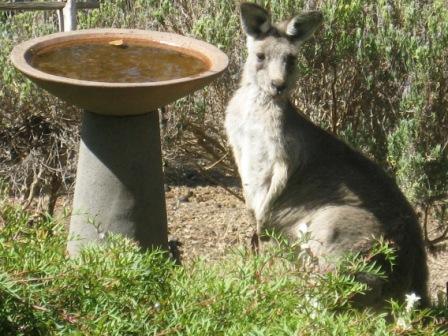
(294,173)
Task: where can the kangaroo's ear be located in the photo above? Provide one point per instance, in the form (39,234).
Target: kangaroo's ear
(303,26)
(256,20)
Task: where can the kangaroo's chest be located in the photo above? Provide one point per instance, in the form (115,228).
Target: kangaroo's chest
(259,141)
(255,132)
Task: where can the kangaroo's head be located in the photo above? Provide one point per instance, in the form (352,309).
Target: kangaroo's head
(272,48)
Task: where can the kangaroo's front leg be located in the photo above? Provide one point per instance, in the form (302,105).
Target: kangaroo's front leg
(277,184)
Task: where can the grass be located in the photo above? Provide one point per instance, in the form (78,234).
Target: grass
(117,289)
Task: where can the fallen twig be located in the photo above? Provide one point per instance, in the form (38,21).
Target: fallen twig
(217,162)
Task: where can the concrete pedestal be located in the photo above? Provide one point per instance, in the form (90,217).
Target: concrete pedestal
(119,183)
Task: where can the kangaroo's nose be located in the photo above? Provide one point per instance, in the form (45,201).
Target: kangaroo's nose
(278,85)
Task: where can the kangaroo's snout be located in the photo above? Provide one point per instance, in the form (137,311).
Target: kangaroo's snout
(278,86)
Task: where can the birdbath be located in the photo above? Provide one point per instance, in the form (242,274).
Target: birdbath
(119,77)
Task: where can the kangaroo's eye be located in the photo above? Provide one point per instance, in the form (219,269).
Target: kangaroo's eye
(261,57)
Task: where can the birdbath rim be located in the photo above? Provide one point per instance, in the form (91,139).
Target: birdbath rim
(121,98)
(216,59)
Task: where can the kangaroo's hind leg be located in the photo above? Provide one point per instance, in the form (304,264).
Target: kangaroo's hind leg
(336,230)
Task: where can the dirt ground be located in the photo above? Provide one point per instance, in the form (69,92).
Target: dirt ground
(208,221)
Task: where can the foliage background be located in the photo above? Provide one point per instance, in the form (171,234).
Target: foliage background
(375,74)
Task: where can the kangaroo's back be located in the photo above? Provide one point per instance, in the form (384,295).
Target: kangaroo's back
(294,173)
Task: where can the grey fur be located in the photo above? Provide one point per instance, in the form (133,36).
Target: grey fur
(294,173)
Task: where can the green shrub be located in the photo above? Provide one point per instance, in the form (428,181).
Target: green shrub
(116,289)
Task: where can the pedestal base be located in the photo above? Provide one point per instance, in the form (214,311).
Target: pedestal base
(119,183)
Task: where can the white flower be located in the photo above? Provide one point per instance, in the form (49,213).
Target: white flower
(315,306)
(303,228)
(411,301)
(315,303)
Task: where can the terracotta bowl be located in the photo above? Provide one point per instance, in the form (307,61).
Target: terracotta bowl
(120,99)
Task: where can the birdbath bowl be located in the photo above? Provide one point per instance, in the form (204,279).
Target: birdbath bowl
(119,77)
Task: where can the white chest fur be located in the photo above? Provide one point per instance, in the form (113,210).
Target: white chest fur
(255,132)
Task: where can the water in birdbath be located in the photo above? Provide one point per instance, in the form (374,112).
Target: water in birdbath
(117,61)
